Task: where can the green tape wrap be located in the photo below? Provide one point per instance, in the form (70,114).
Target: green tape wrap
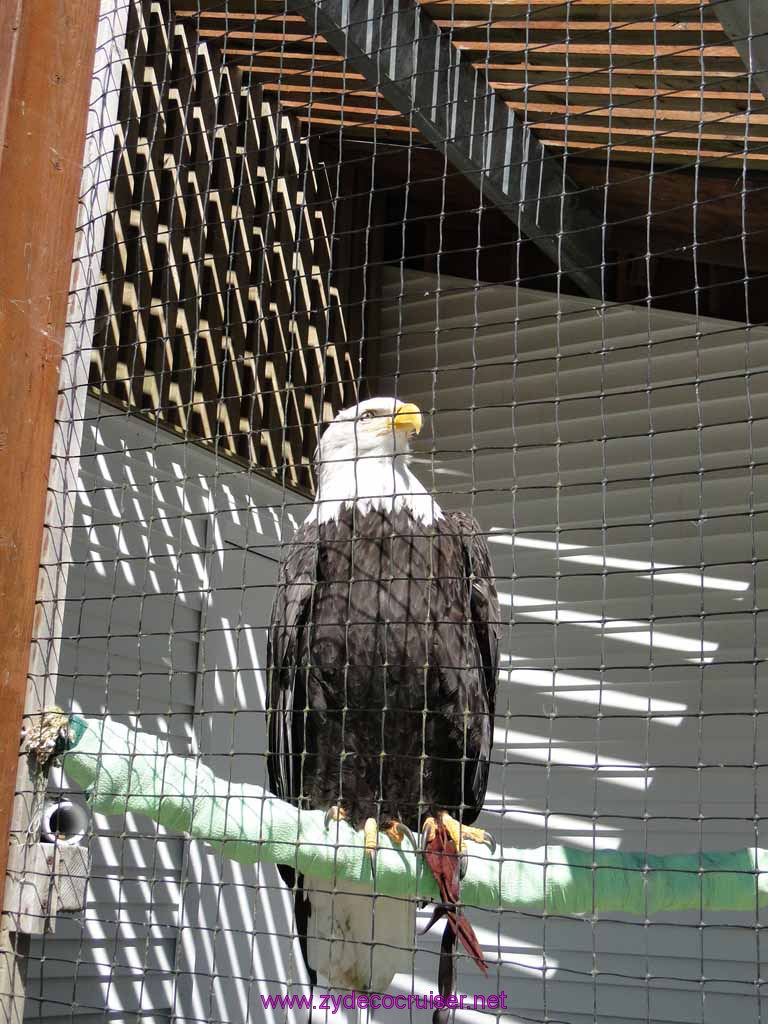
(128,771)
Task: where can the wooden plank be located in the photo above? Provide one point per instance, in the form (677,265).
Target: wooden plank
(358,124)
(243,7)
(322,90)
(224,22)
(562,27)
(616,13)
(736,124)
(616,41)
(680,62)
(618,113)
(372,111)
(564,69)
(579,87)
(300,72)
(257,35)
(247,16)
(645,50)
(692,155)
(45,97)
(737,141)
(668,106)
(284,57)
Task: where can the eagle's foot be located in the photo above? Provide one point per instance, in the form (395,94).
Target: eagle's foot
(459,833)
(396,831)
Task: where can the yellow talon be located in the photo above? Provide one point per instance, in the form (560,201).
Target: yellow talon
(397,831)
(428,829)
(371,838)
(459,833)
(394,832)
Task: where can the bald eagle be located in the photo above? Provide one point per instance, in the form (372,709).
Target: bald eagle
(383,656)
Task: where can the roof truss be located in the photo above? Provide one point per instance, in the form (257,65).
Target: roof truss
(417,69)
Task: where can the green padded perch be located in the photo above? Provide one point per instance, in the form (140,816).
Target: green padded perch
(127,771)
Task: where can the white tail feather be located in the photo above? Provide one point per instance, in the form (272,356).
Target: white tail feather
(356,940)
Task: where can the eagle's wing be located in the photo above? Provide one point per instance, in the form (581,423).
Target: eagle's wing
(486,620)
(290,610)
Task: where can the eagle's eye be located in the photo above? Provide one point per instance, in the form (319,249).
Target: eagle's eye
(368,415)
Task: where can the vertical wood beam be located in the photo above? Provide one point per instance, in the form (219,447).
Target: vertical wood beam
(44,91)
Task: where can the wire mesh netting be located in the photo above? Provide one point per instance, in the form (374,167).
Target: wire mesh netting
(541,224)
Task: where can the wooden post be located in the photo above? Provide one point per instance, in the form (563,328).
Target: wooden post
(47,47)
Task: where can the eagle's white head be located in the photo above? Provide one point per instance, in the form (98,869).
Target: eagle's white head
(362,459)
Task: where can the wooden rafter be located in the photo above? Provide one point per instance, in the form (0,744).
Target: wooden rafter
(622,64)
(419,72)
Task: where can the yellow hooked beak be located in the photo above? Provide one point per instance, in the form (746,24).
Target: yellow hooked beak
(407,418)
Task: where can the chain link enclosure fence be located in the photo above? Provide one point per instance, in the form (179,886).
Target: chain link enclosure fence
(542,223)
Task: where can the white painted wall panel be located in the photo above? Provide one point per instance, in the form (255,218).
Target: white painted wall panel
(152,582)
(618,457)
(237,940)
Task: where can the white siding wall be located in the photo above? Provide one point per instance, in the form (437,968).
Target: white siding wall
(606,449)
(237,936)
(164,629)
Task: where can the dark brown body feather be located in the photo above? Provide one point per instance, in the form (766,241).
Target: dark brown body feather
(383,655)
